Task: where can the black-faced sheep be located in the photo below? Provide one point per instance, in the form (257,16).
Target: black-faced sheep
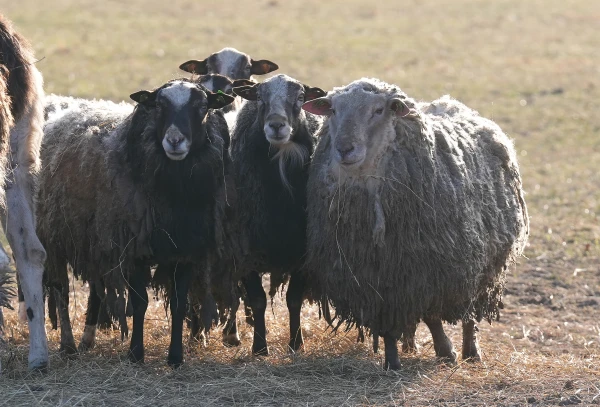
(121,192)
(271,148)
(21,91)
(415,211)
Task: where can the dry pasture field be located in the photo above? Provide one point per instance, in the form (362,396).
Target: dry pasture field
(532,66)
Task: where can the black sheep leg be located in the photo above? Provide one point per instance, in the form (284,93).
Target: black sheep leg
(392,361)
(294,296)
(441,343)
(470,350)
(67,342)
(139,302)
(257,300)
(181,278)
(52,308)
(88,338)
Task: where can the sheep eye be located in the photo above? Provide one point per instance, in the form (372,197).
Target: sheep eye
(301,98)
(333,111)
(379,111)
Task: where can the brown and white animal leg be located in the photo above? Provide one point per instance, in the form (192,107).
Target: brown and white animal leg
(19,223)
(88,339)
(441,343)
(409,344)
(470,350)
(392,362)
(257,300)
(293,298)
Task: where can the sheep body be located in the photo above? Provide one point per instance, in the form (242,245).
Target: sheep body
(112,203)
(426,228)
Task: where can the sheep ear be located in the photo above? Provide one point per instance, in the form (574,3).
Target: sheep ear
(262,67)
(320,106)
(400,108)
(218,100)
(313,93)
(246,92)
(144,97)
(195,66)
(242,82)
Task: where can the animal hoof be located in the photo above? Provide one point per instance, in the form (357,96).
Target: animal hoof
(175,363)
(260,351)
(85,346)
(68,349)
(392,364)
(136,356)
(231,340)
(296,347)
(473,358)
(38,366)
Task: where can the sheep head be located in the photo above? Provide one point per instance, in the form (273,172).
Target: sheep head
(279,100)
(179,110)
(229,62)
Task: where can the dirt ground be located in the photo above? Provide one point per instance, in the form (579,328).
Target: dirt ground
(532,66)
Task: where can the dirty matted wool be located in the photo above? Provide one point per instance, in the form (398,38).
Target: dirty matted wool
(431,233)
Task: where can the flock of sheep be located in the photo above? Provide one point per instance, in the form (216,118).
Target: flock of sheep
(384,210)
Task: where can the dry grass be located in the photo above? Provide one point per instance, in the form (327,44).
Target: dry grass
(533,66)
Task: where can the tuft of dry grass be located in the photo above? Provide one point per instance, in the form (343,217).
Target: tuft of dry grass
(532,66)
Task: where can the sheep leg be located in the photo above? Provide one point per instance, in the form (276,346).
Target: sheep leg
(88,339)
(104,320)
(441,343)
(257,300)
(139,302)
(67,341)
(22,307)
(408,339)
(196,327)
(293,298)
(470,350)
(52,307)
(181,279)
(230,332)
(392,362)
(18,218)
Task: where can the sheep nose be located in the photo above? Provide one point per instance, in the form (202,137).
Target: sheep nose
(345,150)
(175,140)
(276,125)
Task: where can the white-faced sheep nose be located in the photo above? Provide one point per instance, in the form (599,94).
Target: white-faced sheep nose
(174,141)
(345,150)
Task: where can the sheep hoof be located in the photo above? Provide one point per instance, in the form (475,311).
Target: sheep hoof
(85,346)
(68,349)
(392,364)
(136,355)
(231,340)
(38,366)
(472,358)
(296,346)
(260,351)
(175,362)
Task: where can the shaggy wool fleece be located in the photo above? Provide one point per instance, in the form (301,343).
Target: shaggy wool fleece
(429,231)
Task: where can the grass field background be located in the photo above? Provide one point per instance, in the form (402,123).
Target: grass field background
(532,66)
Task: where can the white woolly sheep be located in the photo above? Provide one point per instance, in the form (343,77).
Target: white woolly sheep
(415,211)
